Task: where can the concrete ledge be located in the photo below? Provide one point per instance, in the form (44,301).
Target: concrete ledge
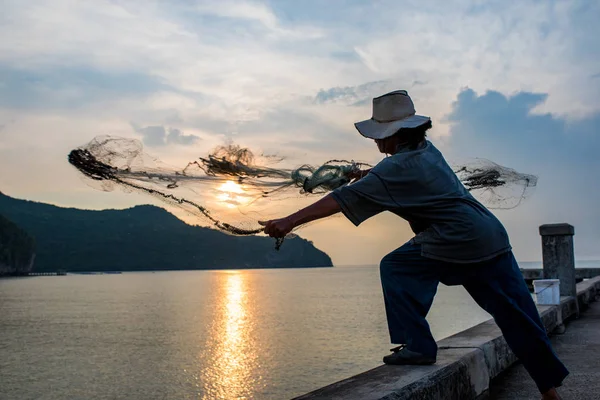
(557,230)
(466,363)
(580,273)
(457,370)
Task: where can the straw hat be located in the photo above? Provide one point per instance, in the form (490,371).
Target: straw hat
(391,112)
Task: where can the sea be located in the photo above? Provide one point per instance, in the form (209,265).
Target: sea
(235,334)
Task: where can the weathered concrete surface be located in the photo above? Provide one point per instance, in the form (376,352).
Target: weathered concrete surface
(557,230)
(466,362)
(558,256)
(578,348)
(580,273)
(489,340)
(457,371)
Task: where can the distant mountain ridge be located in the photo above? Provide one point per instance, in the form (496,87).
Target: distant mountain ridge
(144,238)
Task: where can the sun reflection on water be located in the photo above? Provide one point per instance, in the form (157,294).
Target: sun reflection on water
(229,375)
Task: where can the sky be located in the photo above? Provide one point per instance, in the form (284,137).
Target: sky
(516,82)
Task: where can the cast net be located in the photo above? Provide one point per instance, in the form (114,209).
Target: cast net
(232,188)
(497,187)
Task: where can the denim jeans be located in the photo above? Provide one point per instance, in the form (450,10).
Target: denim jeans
(410,282)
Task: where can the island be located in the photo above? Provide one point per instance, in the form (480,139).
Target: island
(144,238)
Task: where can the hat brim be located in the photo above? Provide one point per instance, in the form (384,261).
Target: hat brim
(380,130)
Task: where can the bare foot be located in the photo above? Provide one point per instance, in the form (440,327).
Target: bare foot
(551,394)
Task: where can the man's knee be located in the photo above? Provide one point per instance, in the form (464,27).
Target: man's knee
(387,264)
(393,266)
(401,261)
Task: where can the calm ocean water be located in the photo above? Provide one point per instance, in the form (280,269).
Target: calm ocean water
(253,334)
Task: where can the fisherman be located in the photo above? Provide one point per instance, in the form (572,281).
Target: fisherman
(457,242)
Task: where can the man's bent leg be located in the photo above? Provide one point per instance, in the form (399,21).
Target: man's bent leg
(409,284)
(498,287)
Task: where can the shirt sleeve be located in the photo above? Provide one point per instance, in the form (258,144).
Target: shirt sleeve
(364,198)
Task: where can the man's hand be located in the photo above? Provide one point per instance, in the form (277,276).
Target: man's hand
(278,228)
(323,208)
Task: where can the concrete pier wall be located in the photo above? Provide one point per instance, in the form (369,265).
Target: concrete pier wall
(466,363)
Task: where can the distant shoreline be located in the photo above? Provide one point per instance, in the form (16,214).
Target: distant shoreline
(33,274)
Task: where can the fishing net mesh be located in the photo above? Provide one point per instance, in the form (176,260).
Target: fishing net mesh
(495,186)
(233,189)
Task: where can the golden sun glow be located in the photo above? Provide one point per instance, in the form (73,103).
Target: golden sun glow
(232,194)
(231,187)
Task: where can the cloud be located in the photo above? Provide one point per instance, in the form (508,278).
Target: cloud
(71,87)
(351,95)
(184,46)
(563,153)
(256,12)
(360,95)
(251,11)
(161,136)
(200,48)
(525,45)
(296,131)
(175,136)
(291,77)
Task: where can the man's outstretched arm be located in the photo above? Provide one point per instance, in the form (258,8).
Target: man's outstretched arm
(323,208)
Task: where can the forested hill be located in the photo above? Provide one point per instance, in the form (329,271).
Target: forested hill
(17,249)
(144,238)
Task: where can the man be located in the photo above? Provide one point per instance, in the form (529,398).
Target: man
(457,242)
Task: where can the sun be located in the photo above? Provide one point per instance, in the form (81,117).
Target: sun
(232,194)
(231,187)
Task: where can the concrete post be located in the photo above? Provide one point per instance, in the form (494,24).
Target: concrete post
(558,257)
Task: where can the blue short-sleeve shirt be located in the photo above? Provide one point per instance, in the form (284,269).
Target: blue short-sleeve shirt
(419,186)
